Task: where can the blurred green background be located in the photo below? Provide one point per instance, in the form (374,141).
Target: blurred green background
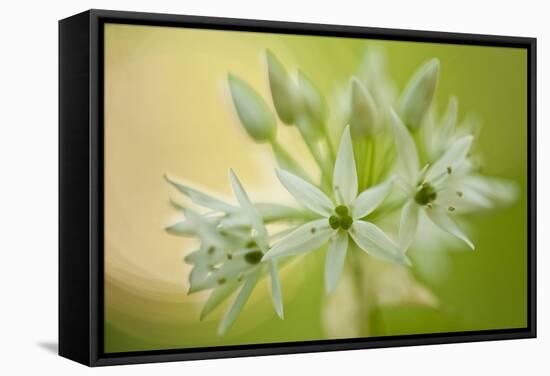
(167,110)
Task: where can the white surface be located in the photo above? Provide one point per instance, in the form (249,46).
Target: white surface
(28,197)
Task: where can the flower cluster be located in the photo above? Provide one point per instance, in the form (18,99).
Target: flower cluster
(394,156)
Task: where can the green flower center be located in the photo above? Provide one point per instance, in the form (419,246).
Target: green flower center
(341,218)
(426,195)
(253,257)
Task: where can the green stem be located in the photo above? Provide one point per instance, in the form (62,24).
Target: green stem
(330,148)
(358,283)
(360,159)
(315,152)
(387,160)
(365,180)
(285,161)
(386,210)
(371,162)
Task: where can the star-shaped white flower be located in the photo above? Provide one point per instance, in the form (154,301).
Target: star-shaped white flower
(337,220)
(229,256)
(436,189)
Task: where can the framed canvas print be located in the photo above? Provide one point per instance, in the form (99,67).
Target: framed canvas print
(239,187)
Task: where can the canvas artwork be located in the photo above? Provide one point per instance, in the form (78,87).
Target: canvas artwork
(267,188)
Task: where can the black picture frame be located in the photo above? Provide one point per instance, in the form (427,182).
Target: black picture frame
(81,186)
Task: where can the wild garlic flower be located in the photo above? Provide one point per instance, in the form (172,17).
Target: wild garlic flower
(337,220)
(435,172)
(480,192)
(434,189)
(231,252)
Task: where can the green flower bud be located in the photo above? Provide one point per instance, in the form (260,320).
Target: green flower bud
(418,94)
(253,112)
(283,90)
(363,118)
(313,102)
(312,112)
(308,127)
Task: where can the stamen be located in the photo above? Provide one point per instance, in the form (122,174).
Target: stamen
(451,208)
(429,205)
(442,176)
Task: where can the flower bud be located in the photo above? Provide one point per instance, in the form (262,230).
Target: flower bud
(363,118)
(283,89)
(313,102)
(253,112)
(418,94)
(308,127)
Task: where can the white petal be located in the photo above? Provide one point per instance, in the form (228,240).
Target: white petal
(182,228)
(305,238)
(201,198)
(268,212)
(305,193)
(247,206)
(207,254)
(462,197)
(370,199)
(376,243)
(235,221)
(334,263)
(495,190)
(449,121)
(271,212)
(238,304)
(228,272)
(196,256)
(472,199)
(217,297)
(452,159)
(204,227)
(276,293)
(198,275)
(404,185)
(406,149)
(345,173)
(441,219)
(408,224)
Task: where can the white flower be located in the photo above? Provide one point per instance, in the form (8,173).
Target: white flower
(479,192)
(337,221)
(436,189)
(223,215)
(229,255)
